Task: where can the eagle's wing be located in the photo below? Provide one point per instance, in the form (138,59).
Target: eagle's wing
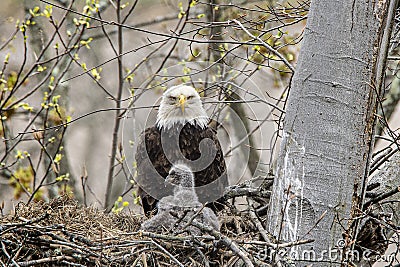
(153,165)
(214,176)
(152,168)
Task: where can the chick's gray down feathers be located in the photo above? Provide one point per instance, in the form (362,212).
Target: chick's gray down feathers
(176,210)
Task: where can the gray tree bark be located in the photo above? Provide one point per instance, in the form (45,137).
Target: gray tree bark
(377,228)
(327,134)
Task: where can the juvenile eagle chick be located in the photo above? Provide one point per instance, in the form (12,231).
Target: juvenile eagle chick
(175,211)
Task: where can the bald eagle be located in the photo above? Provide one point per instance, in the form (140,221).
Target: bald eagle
(181,134)
(175,211)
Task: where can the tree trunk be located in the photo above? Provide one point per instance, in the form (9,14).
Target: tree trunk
(328,129)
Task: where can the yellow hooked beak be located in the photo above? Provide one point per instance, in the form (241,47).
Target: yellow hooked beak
(182,100)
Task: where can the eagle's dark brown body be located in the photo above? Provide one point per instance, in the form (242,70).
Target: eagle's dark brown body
(158,150)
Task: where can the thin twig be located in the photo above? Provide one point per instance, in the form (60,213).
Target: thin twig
(270,48)
(45,260)
(117,119)
(226,241)
(167,252)
(381,197)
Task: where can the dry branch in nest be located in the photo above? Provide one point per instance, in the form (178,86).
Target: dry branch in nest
(62,233)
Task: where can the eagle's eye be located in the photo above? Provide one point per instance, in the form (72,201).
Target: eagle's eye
(171,98)
(189,97)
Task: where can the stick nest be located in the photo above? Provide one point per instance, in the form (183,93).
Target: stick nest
(63,233)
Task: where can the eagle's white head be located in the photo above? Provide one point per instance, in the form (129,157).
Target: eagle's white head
(181,104)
